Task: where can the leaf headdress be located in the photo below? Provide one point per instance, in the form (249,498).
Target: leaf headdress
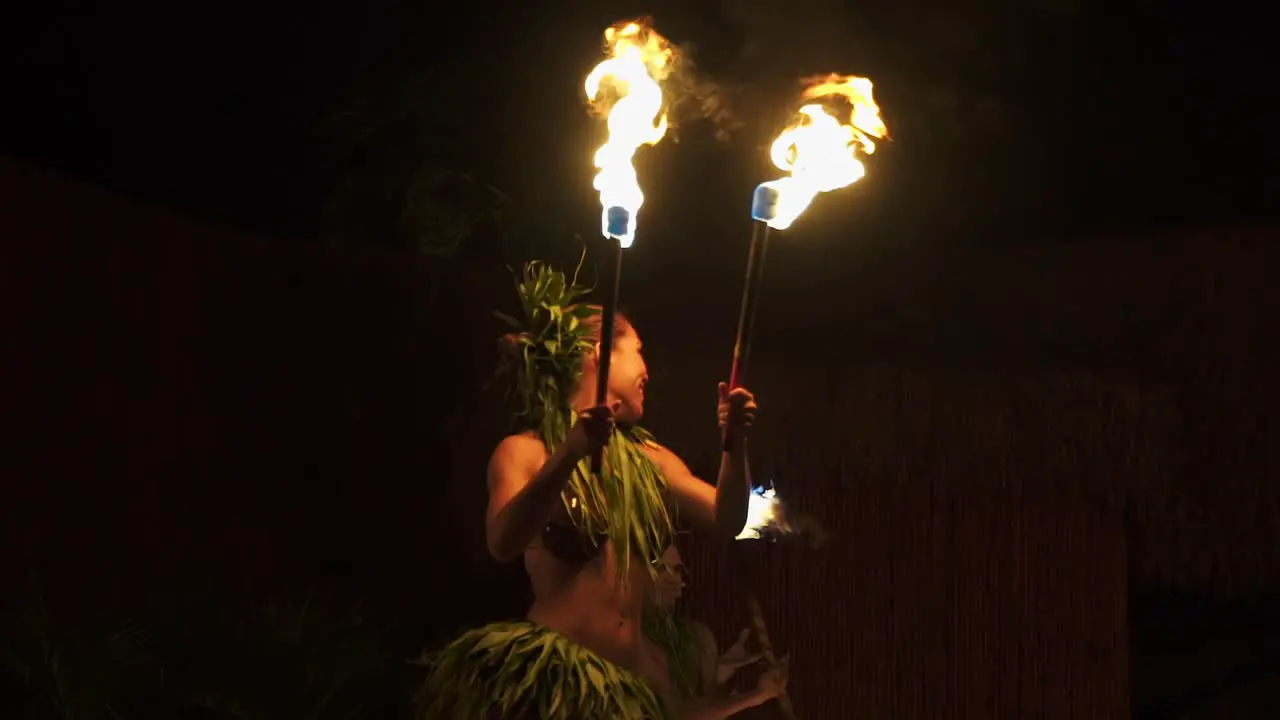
(550,343)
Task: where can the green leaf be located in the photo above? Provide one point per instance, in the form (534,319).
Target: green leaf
(557,697)
(492,640)
(597,679)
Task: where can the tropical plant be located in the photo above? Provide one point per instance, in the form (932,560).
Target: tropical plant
(57,670)
(303,659)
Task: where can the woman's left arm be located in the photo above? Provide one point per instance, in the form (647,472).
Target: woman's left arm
(720,508)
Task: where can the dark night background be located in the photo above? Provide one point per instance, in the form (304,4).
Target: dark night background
(1053,113)
(1074,188)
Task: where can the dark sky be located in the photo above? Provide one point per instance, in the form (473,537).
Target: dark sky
(1054,118)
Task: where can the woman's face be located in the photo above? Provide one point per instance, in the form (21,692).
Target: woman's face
(628,375)
(670,582)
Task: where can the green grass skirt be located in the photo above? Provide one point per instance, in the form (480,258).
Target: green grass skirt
(522,670)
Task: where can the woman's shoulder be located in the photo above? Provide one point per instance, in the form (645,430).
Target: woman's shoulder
(648,443)
(524,439)
(706,639)
(519,448)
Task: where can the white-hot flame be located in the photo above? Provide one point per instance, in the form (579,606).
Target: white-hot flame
(639,60)
(764,513)
(819,150)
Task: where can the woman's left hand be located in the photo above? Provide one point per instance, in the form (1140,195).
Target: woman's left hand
(736,411)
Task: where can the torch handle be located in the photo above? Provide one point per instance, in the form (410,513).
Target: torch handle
(747,312)
(766,649)
(609,310)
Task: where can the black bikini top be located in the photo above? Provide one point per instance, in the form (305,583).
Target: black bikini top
(569,544)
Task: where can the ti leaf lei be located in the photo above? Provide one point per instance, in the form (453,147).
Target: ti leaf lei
(627,505)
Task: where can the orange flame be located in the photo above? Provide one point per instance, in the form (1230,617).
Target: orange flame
(819,150)
(639,59)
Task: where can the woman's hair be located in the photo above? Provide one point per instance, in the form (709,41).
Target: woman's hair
(509,344)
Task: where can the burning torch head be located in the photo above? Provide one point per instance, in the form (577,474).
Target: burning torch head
(626,87)
(768,518)
(820,151)
(766,203)
(617,225)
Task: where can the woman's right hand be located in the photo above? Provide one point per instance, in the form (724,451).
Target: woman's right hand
(591,432)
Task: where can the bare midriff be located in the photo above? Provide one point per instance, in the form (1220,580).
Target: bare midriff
(589,604)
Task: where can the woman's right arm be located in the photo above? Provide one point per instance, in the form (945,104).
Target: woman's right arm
(524,487)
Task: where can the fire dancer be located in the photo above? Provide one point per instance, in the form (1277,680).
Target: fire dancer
(688,650)
(590,544)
